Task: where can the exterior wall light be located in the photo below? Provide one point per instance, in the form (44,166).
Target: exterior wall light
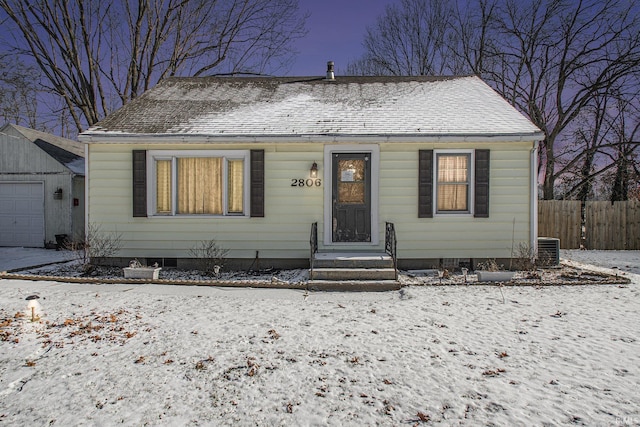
(57,194)
(313,172)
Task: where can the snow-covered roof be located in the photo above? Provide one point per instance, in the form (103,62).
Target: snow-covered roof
(67,152)
(346,106)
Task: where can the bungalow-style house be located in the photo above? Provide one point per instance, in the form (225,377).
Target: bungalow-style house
(277,169)
(41,188)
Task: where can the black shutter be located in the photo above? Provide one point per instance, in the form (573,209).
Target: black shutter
(257,183)
(481,209)
(425,184)
(139,183)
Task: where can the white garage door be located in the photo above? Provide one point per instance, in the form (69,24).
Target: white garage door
(21,214)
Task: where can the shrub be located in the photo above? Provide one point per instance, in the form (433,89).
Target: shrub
(525,257)
(95,245)
(211,256)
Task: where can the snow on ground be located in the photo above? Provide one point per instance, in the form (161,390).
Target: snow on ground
(186,355)
(626,261)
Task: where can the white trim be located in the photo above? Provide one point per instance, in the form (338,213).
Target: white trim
(172,155)
(374,150)
(472,180)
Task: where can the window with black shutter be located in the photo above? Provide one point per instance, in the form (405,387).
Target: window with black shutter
(425,184)
(451,188)
(198,182)
(139,183)
(257,183)
(481,209)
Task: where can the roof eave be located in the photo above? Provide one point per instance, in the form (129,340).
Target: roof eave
(127,138)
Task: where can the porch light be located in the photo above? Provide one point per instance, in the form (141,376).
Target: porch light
(57,194)
(33,307)
(314,170)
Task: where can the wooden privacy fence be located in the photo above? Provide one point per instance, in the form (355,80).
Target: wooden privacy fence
(606,226)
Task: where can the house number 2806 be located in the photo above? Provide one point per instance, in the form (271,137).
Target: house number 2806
(309,182)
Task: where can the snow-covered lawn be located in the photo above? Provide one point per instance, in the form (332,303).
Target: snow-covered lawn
(450,355)
(625,261)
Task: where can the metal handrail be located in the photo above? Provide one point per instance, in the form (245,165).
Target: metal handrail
(391,244)
(313,243)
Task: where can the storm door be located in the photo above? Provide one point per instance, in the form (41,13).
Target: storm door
(351,196)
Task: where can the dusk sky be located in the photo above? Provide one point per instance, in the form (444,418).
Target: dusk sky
(336,30)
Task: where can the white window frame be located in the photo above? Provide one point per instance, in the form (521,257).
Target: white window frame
(472,180)
(173,155)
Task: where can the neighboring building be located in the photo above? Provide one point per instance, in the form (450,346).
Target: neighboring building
(253,162)
(41,187)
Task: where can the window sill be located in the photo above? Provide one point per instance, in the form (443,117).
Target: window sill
(453,215)
(195,216)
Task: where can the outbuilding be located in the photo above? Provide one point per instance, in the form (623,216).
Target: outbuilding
(438,170)
(41,188)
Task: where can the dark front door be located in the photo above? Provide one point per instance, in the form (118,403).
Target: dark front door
(351,197)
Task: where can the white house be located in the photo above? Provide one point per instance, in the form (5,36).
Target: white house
(254,162)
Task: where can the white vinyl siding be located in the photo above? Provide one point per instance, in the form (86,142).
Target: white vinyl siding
(282,233)
(290,209)
(457,236)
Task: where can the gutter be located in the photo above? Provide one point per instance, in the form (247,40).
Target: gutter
(126,138)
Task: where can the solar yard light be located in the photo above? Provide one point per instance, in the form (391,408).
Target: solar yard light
(33,307)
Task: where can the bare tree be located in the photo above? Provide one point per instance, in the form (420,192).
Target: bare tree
(627,150)
(409,39)
(606,140)
(551,59)
(18,86)
(99,55)
(556,57)
(591,135)
(476,24)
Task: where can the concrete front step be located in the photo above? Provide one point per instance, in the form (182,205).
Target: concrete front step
(352,260)
(353,274)
(353,285)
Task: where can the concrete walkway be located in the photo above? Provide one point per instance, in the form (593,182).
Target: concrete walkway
(15,259)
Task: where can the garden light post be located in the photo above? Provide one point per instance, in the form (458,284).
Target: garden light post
(33,307)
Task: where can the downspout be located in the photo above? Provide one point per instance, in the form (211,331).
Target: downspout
(86,191)
(70,207)
(534,198)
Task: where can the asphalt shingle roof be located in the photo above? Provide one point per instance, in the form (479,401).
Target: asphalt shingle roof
(33,135)
(348,106)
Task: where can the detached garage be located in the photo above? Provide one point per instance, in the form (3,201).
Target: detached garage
(41,187)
